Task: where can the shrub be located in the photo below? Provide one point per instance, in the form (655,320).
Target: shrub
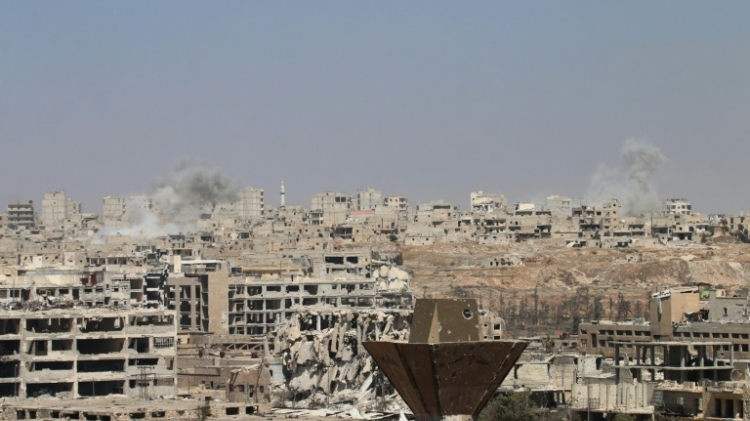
(513,407)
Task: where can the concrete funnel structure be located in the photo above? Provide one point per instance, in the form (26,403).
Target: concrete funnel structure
(446,370)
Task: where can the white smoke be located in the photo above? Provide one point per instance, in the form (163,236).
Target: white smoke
(175,201)
(631,182)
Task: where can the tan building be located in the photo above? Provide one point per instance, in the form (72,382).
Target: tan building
(677,206)
(560,206)
(369,199)
(21,214)
(57,207)
(71,353)
(329,208)
(251,204)
(487,203)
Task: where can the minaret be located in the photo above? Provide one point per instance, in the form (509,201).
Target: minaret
(282,202)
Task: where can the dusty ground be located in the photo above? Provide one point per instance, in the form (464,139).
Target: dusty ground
(570,282)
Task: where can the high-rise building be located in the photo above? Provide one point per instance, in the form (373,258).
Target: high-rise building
(251,203)
(58,207)
(329,208)
(369,199)
(21,214)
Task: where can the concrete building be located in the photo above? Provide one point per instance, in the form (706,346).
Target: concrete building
(677,206)
(250,204)
(261,295)
(487,203)
(72,353)
(21,214)
(667,309)
(114,211)
(121,408)
(226,367)
(437,213)
(114,207)
(329,208)
(261,307)
(524,208)
(689,360)
(560,206)
(369,199)
(57,207)
(397,203)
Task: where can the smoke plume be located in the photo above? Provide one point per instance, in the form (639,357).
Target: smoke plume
(175,201)
(191,185)
(631,182)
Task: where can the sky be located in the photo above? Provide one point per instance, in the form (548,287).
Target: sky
(426,99)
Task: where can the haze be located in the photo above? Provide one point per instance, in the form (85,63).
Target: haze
(430,100)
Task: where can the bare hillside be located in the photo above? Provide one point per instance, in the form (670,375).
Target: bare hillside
(555,285)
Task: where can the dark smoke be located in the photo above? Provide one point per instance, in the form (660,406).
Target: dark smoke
(191,185)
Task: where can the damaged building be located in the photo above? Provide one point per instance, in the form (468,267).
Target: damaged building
(688,361)
(72,353)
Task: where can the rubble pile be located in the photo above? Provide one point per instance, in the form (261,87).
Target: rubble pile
(322,354)
(391,278)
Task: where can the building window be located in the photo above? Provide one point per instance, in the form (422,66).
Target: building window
(163,342)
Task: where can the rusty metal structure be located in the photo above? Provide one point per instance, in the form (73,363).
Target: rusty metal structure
(446,370)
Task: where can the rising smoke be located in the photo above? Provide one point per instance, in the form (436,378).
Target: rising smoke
(191,185)
(631,182)
(176,200)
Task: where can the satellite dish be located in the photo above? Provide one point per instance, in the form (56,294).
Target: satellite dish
(738,376)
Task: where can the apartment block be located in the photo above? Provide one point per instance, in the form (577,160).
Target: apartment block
(329,208)
(251,204)
(21,214)
(369,199)
(677,206)
(72,353)
(57,207)
(487,203)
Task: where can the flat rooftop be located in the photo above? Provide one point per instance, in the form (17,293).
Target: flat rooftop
(673,343)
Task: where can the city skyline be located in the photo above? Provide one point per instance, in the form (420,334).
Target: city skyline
(426,100)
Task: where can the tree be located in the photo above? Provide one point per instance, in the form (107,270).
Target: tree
(598,308)
(623,307)
(638,312)
(513,407)
(623,417)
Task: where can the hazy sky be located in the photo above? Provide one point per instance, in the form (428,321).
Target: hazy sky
(424,99)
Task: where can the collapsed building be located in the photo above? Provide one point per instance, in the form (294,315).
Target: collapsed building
(323,357)
(278,327)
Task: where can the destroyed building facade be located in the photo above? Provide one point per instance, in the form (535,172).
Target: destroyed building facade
(72,335)
(689,360)
(257,305)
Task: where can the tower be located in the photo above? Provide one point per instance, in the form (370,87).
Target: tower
(282,201)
